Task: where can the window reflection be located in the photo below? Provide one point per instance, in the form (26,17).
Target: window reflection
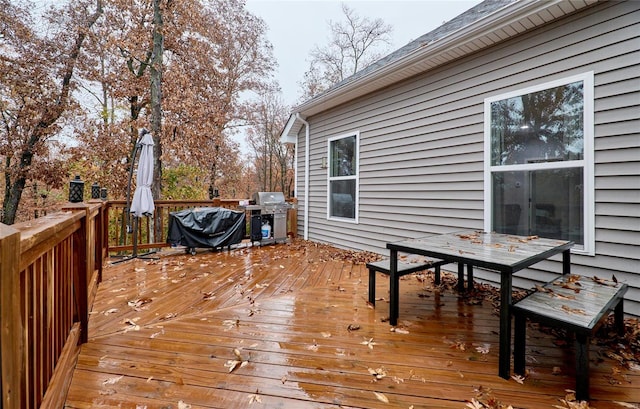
(542,126)
(343,156)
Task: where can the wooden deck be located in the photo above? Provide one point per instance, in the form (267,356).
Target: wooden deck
(289,326)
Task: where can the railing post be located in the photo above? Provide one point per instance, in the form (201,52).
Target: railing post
(292,215)
(11,342)
(82,269)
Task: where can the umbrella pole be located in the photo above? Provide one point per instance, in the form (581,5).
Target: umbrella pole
(135,237)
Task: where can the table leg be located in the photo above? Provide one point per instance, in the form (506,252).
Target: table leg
(566,262)
(504,365)
(461,277)
(394,291)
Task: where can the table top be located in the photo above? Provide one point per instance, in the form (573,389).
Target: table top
(495,251)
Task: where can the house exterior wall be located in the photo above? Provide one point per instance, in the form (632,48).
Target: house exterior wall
(422,144)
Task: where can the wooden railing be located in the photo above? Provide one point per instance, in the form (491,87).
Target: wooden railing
(49,270)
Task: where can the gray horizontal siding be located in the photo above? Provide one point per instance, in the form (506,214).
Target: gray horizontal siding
(421,143)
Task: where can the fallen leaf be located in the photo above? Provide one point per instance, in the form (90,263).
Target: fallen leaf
(474,404)
(107,392)
(313,347)
(378,373)
(518,378)
(627,405)
(369,343)
(139,303)
(183,405)
(114,380)
(381,397)
(484,348)
(399,330)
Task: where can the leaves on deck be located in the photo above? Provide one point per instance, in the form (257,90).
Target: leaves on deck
(378,373)
(485,400)
(236,363)
(570,402)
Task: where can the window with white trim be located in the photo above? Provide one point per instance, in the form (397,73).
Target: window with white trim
(539,161)
(342,192)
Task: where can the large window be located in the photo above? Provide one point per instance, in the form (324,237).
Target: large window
(342,195)
(539,161)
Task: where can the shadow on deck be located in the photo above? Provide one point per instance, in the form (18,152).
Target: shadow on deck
(289,326)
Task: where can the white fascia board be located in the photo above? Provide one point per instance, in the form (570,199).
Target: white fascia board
(290,132)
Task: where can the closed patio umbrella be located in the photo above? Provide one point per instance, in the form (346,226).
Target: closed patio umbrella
(142,203)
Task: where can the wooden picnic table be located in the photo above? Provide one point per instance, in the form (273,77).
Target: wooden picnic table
(504,253)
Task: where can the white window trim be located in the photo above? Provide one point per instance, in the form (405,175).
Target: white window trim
(587,163)
(357,178)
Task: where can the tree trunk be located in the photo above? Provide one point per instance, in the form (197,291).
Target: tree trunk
(156,97)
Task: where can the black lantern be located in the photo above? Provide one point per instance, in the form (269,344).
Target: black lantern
(103,193)
(95,191)
(76,190)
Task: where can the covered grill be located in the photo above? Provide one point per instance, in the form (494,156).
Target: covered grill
(212,227)
(268,217)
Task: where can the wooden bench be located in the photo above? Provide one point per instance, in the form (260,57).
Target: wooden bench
(404,268)
(577,303)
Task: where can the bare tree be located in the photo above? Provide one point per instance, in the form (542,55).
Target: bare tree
(271,159)
(37,72)
(355,43)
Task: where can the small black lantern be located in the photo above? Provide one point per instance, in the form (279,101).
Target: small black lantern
(95,191)
(103,193)
(76,190)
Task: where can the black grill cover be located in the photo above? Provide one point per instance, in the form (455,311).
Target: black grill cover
(206,227)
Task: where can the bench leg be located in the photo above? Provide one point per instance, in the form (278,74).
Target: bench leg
(372,286)
(394,291)
(582,367)
(519,344)
(469,277)
(437,278)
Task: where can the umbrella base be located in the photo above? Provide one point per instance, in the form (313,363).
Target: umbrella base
(134,256)
(135,247)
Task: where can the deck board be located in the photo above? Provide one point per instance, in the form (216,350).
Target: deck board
(291,311)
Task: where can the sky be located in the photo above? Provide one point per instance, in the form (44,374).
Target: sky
(296,26)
